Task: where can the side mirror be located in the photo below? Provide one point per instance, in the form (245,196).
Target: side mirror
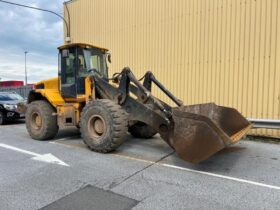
(109,57)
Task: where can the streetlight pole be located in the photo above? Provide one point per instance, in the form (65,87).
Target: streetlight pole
(25,68)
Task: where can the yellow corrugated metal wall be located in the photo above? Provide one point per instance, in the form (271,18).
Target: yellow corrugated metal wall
(225,51)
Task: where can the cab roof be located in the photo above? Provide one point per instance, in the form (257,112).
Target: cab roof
(84,45)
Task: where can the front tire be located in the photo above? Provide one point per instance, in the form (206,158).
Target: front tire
(103,125)
(40,121)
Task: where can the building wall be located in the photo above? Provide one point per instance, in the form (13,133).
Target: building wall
(225,51)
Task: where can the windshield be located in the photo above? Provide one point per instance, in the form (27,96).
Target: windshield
(10,97)
(95,59)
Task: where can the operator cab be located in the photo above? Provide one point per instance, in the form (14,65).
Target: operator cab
(76,61)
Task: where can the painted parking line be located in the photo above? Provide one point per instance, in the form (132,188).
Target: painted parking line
(190,170)
(223,176)
(202,172)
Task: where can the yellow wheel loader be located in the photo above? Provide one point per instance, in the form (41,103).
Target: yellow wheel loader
(106,109)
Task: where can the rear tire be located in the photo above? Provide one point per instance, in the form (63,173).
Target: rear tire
(103,125)
(40,121)
(142,130)
(2,118)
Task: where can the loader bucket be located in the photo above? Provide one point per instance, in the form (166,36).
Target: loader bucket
(202,130)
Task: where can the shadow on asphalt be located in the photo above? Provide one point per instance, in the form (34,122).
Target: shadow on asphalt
(13,122)
(155,148)
(223,161)
(70,133)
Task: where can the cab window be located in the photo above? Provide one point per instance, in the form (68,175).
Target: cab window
(95,60)
(82,70)
(68,63)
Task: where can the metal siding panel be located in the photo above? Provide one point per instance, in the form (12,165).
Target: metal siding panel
(246,57)
(214,73)
(226,51)
(251,57)
(210,50)
(276,99)
(257,36)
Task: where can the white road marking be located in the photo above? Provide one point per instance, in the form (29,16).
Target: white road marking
(203,172)
(222,176)
(48,158)
(192,170)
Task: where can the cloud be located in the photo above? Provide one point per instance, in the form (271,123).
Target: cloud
(37,32)
(38,67)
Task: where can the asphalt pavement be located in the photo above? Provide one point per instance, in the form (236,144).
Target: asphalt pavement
(37,174)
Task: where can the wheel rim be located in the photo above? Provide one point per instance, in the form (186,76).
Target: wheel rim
(36,120)
(97,126)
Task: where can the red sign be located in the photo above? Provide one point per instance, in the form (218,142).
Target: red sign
(12,83)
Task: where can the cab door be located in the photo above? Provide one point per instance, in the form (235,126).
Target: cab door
(82,71)
(67,71)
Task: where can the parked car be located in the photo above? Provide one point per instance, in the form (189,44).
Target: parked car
(8,106)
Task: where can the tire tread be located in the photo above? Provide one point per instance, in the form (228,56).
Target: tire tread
(119,121)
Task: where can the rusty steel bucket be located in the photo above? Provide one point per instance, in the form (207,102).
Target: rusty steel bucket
(204,129)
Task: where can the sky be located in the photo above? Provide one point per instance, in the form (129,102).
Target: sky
(37,32)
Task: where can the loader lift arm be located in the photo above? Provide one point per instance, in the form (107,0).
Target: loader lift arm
(149,77)
(146,108)
(196,132)
(126,77)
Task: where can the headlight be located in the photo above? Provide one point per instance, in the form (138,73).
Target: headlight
(10,107)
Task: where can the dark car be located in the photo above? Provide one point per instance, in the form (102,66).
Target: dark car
(8,106)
